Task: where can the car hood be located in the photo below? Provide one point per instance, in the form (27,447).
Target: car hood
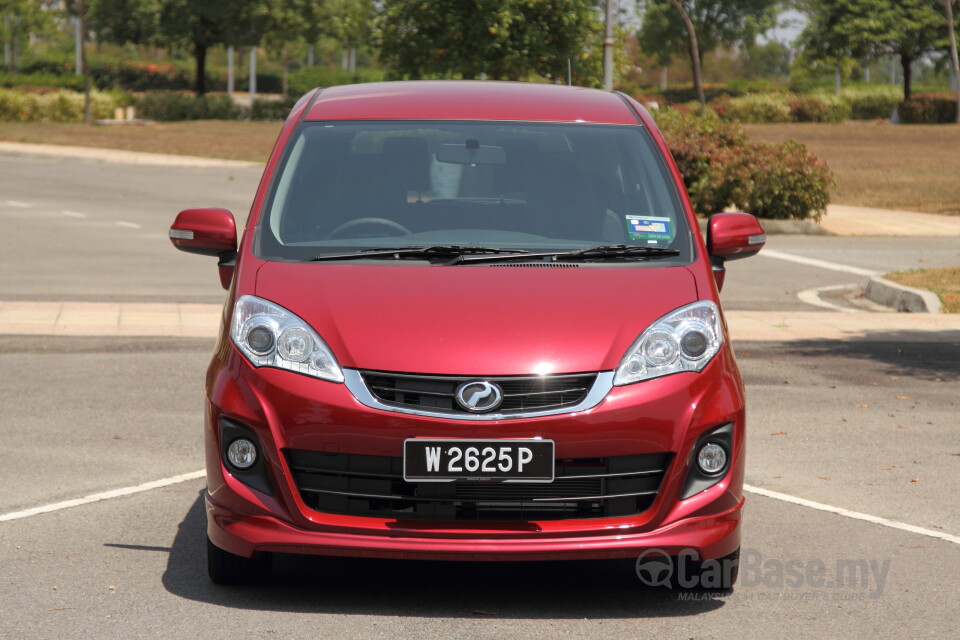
(477,320)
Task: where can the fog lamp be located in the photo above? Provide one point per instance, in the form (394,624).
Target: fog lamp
(712,459)
(242,453)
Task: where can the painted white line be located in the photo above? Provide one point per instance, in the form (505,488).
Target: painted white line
(812,296)
(18,204)
(106,495)
(813,262)
(73,214)
(847,513)
(128,225)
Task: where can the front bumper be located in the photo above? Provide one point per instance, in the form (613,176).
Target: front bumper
(287,411)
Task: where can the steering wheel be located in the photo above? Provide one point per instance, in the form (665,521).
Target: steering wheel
(395,227)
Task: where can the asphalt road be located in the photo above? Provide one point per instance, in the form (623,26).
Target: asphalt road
(868,427)
(134,566)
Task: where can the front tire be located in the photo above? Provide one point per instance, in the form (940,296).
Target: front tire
(230,569)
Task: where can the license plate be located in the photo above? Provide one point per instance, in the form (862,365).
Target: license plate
(446,460)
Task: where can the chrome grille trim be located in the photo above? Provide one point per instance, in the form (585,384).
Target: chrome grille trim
(355,383)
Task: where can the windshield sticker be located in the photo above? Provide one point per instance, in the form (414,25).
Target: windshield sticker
(653,230)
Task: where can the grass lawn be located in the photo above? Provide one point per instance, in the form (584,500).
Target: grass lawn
(209,138)
(944,282)
(906,167)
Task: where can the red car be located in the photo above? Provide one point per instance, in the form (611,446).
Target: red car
(471,321)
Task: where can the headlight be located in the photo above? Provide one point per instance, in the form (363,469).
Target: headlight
(684,340)
(270,336)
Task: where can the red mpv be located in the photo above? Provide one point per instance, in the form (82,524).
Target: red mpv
(471,321)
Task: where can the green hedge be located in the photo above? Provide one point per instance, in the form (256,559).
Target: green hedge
(720,168)
(129,75)
(173,106)
(872,103)
(312,77)
(58,106)
(929,108)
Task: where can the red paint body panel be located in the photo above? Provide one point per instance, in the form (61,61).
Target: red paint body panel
(476,321)
(466,100)
(445,320)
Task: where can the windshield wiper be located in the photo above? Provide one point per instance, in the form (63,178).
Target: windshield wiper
(397,253)
(624,252)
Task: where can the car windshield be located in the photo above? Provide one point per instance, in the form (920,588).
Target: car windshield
(347,187)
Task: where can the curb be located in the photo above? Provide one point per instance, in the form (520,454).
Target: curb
(901,298)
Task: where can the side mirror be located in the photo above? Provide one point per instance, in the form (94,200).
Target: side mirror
(208,232)
(732,236)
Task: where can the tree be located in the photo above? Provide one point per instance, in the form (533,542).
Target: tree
(506,39)
(954,61)
(20,17)
(695,54)
(858,29)
(664,34)
(290,26)
(350,22)
(201,24)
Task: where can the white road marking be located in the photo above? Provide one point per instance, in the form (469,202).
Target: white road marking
(812,296)
(128,225)
(18,204)
(847,513)
(813,262)
(73,214)
(106,495)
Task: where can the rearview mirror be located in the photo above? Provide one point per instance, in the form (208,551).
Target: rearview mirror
(732,236)
(209,232)
(470,153)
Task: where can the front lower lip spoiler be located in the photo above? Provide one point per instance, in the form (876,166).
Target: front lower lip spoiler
(353,380)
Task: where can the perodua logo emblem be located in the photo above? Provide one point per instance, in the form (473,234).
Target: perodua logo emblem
(479,396)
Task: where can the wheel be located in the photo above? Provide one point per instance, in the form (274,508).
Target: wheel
(228,568)
(395,227)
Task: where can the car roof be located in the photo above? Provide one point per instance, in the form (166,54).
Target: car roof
(470,100)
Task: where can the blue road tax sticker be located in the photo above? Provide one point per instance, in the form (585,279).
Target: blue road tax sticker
(651,229)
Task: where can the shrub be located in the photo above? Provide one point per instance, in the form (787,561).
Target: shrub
(702,147)
(759,108)
(18,107)
(872,103)
(928,108)
(38,82)
(819,107)
(720,168)
(58,106)
(169,106)
(312,77)
(782,180)
(270,109)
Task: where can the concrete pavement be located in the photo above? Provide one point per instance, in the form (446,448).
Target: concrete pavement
(203,320)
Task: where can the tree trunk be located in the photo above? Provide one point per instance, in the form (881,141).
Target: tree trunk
(953,53)
(84,67)
(200,52)
(694,54)
(907,63)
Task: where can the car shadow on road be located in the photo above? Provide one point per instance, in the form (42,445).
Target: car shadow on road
(934,360)
(353,586)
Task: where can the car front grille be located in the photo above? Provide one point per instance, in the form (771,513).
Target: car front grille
(521,394)
(373,486)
